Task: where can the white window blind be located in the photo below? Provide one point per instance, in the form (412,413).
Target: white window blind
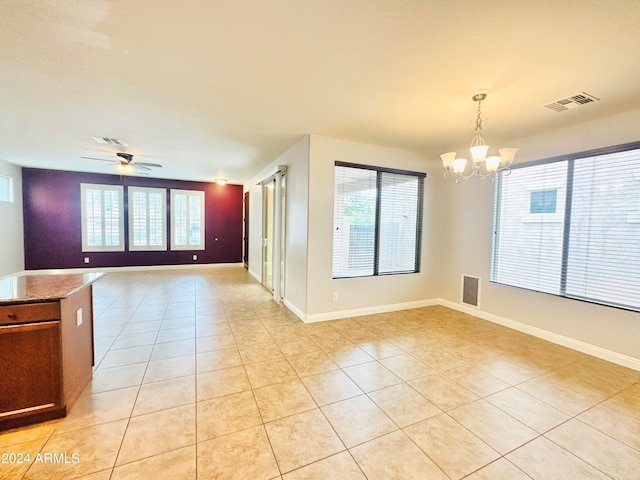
(187,212)
(527,250)
(377,221)
(603,258)
(354,222)
(398,222)
(102,217)
(589,248)
(147,218)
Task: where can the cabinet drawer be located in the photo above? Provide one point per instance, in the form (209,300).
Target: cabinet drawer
(30,312)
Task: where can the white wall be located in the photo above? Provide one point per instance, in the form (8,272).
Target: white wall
(364,292)
(468,228)
(12,250)
(297,161)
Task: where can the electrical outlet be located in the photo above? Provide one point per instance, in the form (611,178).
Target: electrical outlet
(335,296)
(295,292)
(86,259)
(195,257)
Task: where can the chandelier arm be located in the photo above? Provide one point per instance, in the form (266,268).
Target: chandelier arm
(458,175)
(507,171)
(475,172)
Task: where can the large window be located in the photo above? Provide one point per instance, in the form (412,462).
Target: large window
(102,217)
(187,213)
(377,221)
(571,227)
(147,218)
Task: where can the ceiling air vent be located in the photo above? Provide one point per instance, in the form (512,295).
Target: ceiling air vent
(109,141)
(572,101)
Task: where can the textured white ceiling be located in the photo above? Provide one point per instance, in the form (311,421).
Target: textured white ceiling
(218,88)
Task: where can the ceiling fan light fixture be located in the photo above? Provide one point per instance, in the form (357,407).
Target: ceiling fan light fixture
(125,169)
(127,165)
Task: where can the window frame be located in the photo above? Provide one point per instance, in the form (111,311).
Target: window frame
(132,218)
(119,189)
(567,192)
(419,218)
(200,194)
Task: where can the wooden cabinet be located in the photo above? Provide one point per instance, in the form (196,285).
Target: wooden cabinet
(46,357)
(30,383)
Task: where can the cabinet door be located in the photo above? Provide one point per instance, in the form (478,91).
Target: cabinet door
(30,369)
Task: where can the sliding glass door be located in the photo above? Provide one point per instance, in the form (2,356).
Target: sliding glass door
(268,230)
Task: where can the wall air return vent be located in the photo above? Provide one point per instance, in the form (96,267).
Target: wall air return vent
(109,141)
(470,291)
(571,102)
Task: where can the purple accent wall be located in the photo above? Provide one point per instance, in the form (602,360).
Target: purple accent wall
(53,230)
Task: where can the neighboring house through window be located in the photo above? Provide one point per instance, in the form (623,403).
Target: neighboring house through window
(543,201)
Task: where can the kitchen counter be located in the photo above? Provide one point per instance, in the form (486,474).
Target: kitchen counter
(31,288)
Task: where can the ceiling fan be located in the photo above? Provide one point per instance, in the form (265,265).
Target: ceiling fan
(126,164)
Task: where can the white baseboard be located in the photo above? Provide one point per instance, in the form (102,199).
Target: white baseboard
(358,312)
(295,310)
(186,266)
(255,275)
(593,350)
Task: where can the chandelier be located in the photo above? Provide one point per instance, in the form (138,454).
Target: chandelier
(481,165)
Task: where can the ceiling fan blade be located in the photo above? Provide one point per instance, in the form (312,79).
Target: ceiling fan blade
(147,164)
(139,167)
(101,159)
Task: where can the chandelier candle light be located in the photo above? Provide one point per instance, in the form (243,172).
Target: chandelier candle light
(492,164)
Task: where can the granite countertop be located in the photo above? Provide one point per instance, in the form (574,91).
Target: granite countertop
(32,288)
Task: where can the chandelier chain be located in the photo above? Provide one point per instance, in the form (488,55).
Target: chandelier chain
(477,138)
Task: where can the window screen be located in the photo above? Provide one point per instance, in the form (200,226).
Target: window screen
(377,221)
(588,247)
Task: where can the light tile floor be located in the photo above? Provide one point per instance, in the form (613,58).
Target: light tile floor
(200,375)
